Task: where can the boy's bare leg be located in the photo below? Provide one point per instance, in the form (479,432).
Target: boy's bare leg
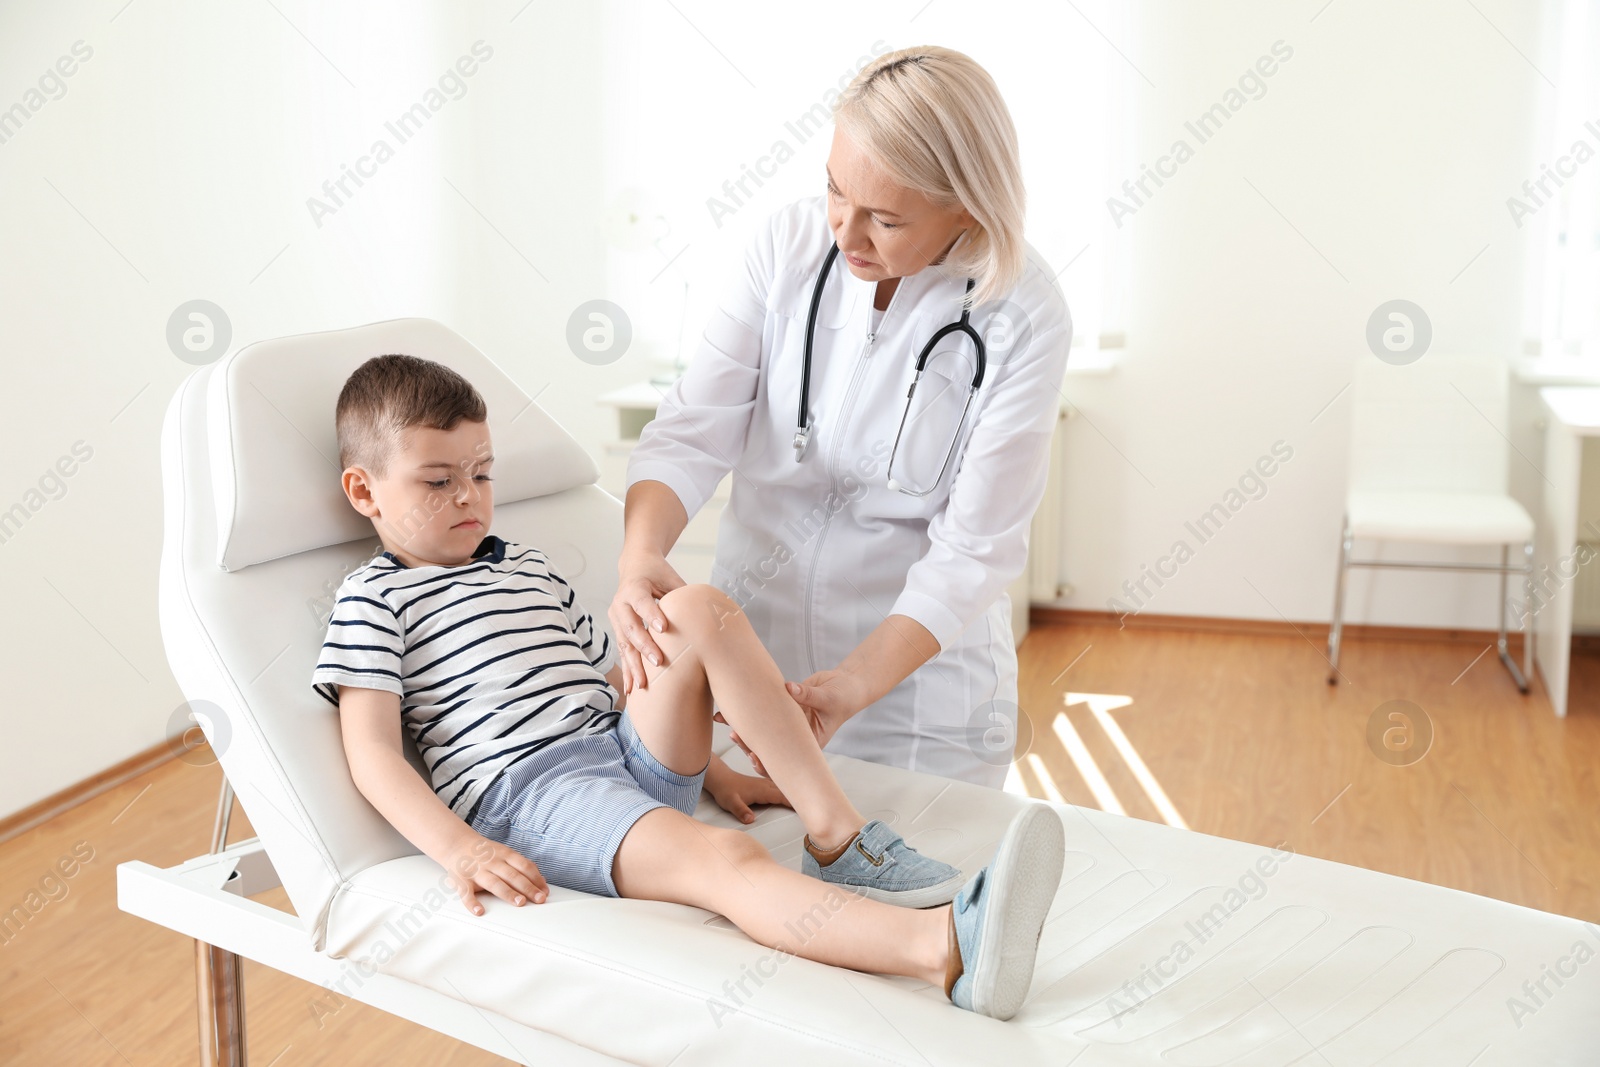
(711,649)
(666,855)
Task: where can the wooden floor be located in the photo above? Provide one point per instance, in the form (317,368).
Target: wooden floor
(1239,733)
(1248,741)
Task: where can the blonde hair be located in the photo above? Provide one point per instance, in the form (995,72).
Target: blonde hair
(934,121)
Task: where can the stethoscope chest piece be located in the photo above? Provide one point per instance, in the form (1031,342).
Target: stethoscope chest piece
(802,441)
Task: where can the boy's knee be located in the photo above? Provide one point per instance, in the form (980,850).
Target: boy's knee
(700,608)
(738,847)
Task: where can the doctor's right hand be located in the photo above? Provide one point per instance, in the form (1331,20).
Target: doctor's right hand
(641,581)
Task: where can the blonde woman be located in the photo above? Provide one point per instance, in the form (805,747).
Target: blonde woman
(870,536)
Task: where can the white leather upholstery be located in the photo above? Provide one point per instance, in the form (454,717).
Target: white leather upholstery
(1436,424)
(1361,965)
(246,639)
(1445,518)
(275,391)
(1428,452)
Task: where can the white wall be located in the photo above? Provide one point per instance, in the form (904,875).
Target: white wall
(1375,166)
(1391,156)
(178,163)
(702,96)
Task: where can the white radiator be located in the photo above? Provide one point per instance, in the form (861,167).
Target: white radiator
(1040,579)
(1046,583)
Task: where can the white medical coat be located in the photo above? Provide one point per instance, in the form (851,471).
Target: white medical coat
(819,552)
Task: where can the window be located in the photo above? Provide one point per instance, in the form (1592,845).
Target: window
(1559,201)
(718,113)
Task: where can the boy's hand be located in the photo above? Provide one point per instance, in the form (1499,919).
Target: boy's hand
(479,863)
(735,792)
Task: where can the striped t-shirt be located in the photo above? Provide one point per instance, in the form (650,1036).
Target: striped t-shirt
(492,660)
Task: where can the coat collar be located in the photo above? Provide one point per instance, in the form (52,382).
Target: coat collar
(930,291)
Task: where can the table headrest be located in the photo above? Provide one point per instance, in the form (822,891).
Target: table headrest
(275,454)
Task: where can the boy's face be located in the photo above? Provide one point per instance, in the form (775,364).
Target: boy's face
(435,502)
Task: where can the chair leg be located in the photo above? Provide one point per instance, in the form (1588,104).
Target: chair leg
(1501,643)
(1527,614)
(1336,630)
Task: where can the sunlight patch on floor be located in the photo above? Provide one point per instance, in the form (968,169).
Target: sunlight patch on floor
(1101,705)
(1078,752)
(1047,783)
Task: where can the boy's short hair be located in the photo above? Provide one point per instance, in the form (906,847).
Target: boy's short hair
(388,395)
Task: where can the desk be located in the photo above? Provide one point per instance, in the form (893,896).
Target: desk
(1570,501)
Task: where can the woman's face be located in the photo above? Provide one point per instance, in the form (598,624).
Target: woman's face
(884,230)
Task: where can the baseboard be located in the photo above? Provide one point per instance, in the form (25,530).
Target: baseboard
(70,797)
(1044,615)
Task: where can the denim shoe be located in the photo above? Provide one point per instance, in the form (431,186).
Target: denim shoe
(996,919)
(879,864)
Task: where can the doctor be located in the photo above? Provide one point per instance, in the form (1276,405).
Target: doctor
(870,537)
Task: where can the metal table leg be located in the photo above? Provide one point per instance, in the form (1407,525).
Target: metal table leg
(219,978)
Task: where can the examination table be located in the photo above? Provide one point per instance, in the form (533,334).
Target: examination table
(1164,946)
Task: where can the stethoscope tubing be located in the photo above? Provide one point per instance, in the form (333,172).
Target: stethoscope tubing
(802,436)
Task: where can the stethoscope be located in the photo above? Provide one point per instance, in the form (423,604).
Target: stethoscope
(802,433)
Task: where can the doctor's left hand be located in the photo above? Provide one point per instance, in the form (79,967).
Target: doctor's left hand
(829,699)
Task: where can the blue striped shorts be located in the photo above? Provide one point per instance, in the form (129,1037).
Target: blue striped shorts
(568,806)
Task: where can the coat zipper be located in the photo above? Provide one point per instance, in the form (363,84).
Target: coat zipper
(838,443)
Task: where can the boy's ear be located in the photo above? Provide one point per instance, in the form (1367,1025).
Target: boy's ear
(358,490)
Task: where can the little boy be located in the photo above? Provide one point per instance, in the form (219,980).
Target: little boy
(539,771)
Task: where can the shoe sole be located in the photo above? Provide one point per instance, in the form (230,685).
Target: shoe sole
(928,897)
(1023,880)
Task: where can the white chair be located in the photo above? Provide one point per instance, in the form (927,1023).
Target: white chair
(1362,965)
(1428,464)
